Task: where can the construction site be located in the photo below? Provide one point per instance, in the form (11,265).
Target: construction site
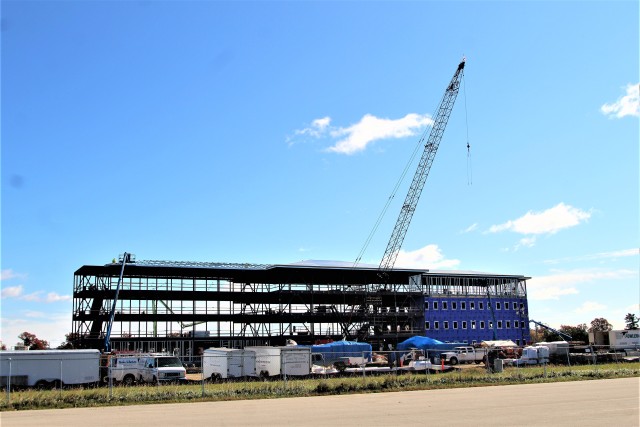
(187,306)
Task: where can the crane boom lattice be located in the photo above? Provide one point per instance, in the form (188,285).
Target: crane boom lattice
(420,177)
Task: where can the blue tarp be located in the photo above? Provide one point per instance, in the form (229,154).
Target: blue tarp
(336,351)
(418,342)
(427,344)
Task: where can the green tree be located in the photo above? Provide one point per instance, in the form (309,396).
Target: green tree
(33,342)
(631,321)
(600,324)
(69,341)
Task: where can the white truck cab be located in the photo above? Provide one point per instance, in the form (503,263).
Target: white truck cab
(161,368)
(464,355)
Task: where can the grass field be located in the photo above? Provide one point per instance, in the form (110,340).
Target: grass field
(199,392)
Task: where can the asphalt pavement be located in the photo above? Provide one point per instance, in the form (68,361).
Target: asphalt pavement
(575,403)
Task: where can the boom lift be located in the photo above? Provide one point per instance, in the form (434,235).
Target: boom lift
(126,257)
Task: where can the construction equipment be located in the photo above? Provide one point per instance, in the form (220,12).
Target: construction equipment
(126,257)
(387,322)
(420,177)
(564,335)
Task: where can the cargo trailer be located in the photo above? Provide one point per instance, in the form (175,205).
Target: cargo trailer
(284,360)
(49,368)
(222,363)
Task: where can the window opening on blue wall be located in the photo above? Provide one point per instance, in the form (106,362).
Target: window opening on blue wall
(499,324)
(472,306)
(463,305)
(426,305)
(444,305)
(473,324)
(482,325)
(497,306)
(481,306)
(426,325)
(435,305)
(464,325)
(455,325)
(436,324)
(454,305)
(446,325)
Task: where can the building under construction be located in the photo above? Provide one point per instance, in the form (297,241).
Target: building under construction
(184,307)
(187,306)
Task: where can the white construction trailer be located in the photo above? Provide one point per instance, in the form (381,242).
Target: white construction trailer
(49,368)
(222,363)
(284,360)
(628,339)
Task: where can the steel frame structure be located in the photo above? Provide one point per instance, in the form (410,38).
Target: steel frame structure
(186,306)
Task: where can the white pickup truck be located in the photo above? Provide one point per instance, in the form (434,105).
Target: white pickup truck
(464,355)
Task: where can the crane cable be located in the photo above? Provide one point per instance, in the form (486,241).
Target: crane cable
(466,119)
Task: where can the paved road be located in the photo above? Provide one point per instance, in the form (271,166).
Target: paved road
(579,403)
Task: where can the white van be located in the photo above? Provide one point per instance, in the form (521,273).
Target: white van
(161,368)
(123,369)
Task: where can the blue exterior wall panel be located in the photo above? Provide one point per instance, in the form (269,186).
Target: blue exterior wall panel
(470,319)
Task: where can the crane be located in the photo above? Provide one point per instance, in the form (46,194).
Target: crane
(408,207)
(420,177)
(562,335)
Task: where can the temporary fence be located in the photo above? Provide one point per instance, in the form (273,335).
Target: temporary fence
(264,364)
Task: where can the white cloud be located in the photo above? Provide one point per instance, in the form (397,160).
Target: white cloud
(547,222)
(551,293)
(54,297)
(561,283)
(317,128)
(12,291)
(355,138)
(51,327)
(9,274)
(627,105)
(17,292)
(526,242)
(599,256)
(34,296)
(470,228)
(371,128)
(322,123)
(34,314)
(428,257)
(589,307)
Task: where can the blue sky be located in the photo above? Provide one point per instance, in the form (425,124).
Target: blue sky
(274,132)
